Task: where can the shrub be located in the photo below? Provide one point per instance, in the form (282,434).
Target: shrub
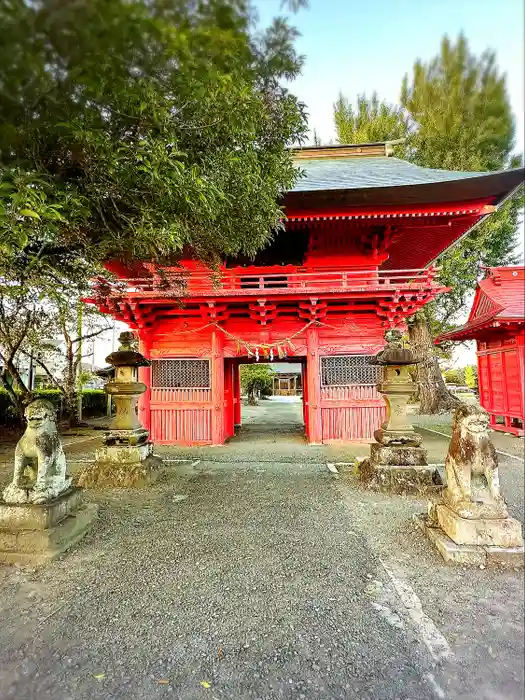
(471,376)
(455,376)
(256,379)
(93,404)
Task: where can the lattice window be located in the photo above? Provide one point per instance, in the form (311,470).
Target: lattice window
(343,370)
(182,374)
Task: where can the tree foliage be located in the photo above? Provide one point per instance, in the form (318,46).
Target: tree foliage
(370,121)
(135,128)
(49,333)
(459,110)
(471,376)
(456,115)
(256,379)
(461,119)
(455,376)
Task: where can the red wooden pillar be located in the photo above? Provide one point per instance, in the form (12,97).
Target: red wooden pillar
(304,384)
(217,388)
(520,350)
(313,380)
(237,406)
(144,403)
(228,399)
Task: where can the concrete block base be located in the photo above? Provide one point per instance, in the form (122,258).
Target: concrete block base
(36,534)
(470,555)
(497,532)
(27,516)
(123,466)
(402,479)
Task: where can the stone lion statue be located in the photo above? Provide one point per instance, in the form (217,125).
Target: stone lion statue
(471,466)
(39,448)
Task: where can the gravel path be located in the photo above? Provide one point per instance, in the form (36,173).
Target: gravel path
(257,583)
(246,576)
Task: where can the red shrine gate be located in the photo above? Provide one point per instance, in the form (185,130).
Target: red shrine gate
(360,231)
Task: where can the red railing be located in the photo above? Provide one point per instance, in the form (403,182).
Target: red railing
(237,282)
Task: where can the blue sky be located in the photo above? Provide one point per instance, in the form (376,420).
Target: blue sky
(358,46)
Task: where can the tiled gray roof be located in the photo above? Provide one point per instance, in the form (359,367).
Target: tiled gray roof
(363,172)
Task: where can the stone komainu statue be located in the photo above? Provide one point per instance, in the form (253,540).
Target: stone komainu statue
(40,448)
(471,467)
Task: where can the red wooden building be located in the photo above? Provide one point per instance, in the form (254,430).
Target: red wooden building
(497,323)
(362,230)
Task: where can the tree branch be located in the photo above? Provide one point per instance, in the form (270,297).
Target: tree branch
(90,335)
(39,362)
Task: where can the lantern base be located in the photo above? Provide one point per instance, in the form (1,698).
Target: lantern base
(119,437)
(122,466)
(392,438)
(400,478)
(398,455)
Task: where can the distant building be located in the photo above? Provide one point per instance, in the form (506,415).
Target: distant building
(286,381)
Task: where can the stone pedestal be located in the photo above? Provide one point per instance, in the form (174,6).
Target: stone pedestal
(35,534)
(399,478)
(122,466)
(392,455)
(399,469)
(470,524)
(478,542)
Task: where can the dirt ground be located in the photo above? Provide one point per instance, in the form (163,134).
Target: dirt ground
(254,572)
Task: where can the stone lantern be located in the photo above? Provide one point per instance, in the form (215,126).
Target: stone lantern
(127,456)
(397,461)
(125,389)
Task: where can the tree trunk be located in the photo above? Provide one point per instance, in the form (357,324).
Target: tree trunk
(14,398)
(434,396)
(71,400)
(19,399)
(253,397)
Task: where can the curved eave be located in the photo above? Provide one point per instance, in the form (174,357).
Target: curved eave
(493,188)
(473,331)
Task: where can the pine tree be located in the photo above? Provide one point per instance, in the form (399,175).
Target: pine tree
(456,115)
(369,122)
(460,119)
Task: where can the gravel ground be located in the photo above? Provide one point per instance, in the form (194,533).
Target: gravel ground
(246,575)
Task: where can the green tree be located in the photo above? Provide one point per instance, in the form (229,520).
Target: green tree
(457,116)
(370,121)
(460,119)
(459,110)
(136,129)
(471,376)
(256,380)
(49,334)
(455,376)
